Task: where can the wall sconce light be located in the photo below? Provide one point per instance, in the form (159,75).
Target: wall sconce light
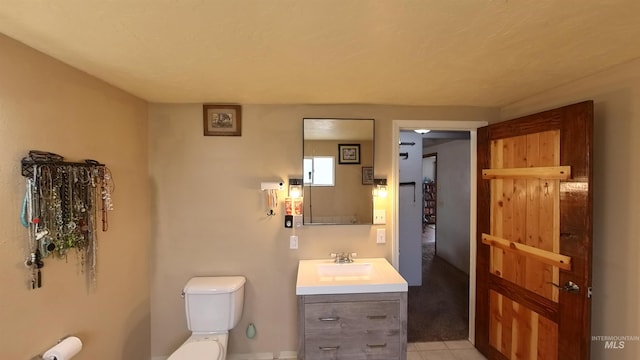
(295,188)
(293,204)
(380,188)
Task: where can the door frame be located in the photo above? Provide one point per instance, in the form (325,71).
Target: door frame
(472,128)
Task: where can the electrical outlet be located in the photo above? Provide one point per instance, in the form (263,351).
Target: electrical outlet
(379,217)
(293,242)
(380,236)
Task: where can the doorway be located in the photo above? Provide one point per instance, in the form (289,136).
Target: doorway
(397,254)
(438,306)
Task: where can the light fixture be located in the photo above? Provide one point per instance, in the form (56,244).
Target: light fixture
(422,131)
(380,188)
(293,204)
(295,188)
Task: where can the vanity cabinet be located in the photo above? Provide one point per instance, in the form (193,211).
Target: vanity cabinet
(353,326)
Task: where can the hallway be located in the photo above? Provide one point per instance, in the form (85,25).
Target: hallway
(438,310)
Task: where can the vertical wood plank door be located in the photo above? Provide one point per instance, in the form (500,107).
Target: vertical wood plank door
(534,236)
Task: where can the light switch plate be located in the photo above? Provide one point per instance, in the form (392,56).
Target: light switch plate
(297,221)
(293,242)
(380,236)
(379,217)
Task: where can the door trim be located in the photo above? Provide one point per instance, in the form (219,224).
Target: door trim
(471,127)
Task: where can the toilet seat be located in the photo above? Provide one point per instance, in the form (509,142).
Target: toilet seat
(205,349)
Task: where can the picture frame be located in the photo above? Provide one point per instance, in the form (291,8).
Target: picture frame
(348,153)
(367,175)
(222,120)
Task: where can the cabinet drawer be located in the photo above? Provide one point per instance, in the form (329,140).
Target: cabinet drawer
(354,316)
(372,346)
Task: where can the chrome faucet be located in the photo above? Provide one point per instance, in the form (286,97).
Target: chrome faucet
(341,258)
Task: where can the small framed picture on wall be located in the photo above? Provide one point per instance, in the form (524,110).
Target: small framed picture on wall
(222,120)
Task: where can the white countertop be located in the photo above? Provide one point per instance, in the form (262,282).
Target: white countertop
(366,275)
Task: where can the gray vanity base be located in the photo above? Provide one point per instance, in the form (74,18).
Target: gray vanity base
(352,326)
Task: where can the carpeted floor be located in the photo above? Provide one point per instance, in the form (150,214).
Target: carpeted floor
(438,310)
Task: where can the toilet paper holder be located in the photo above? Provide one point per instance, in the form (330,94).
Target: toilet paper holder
(41,356)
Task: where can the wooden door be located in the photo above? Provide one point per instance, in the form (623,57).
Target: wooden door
(534,236)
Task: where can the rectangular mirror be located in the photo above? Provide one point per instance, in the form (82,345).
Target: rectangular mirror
(338,171)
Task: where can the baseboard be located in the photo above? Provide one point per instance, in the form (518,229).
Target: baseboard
(253,356)
(282,355)
(288,355)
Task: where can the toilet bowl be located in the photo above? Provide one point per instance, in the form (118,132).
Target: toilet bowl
(213,306)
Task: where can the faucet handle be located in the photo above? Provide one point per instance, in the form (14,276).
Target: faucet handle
(343,257)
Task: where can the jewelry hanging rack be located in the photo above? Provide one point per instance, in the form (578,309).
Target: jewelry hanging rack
(60,208)
(28,165)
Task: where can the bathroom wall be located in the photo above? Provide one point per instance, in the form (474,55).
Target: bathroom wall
(47,105)
(616,205)
(209,215)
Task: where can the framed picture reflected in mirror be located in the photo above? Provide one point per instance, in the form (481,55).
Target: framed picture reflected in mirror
(367,175)
(348,153)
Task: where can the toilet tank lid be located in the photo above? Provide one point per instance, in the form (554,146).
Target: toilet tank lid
(214,284)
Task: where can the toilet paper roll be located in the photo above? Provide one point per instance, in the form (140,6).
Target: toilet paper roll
(65,350)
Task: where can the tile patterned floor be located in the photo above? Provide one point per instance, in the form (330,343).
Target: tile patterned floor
(443,350)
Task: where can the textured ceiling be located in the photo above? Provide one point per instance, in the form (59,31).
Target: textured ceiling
(421,52)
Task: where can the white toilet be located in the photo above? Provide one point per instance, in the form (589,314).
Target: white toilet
(213,306)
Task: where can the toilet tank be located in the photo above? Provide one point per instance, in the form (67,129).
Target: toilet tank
(214,303)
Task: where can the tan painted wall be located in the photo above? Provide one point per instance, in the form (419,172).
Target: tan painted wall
(616,245)
(209,215)
(46,105)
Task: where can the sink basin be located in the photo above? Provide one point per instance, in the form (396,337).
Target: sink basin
(370,275)
(346,270)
